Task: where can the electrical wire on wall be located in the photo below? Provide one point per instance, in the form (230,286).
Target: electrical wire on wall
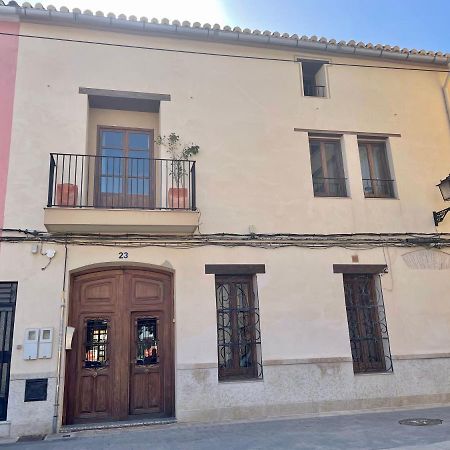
(269,241)
(220,55)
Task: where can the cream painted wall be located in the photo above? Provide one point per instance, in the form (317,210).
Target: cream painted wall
(252,169)
(301,299)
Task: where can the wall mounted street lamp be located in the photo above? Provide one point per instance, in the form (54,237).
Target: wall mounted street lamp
(444,187)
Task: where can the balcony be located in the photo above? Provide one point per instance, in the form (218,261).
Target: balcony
(86,193)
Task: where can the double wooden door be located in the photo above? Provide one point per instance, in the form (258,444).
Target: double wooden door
(121,362)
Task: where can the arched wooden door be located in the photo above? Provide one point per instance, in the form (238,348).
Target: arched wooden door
(122,360)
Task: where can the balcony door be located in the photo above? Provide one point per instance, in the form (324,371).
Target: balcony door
(124,170)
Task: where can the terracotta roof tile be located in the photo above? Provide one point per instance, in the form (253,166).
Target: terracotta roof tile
(216,27)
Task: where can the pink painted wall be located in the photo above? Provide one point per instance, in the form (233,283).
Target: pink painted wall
(9,46)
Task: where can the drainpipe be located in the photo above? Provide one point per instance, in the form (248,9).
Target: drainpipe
(61,342)
(446,96)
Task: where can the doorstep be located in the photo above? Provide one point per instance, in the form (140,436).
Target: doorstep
(115,425)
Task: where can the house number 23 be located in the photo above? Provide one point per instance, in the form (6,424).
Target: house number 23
(123,255)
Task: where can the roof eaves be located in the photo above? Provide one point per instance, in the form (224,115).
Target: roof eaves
(215,33)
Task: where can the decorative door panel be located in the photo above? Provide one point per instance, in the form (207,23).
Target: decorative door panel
(98,291)
(145,291)
(95,395)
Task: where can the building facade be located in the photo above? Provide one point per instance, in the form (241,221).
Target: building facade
(291,266)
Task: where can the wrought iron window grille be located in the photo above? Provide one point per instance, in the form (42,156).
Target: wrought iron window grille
(238,329)
(369,339)
(96,344)
(147,342)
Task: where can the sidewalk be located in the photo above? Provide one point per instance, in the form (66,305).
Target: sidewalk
(370,431)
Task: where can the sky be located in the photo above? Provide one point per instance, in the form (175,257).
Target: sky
(420,24)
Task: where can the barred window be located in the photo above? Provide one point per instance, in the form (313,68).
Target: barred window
(367,325)
(238,331)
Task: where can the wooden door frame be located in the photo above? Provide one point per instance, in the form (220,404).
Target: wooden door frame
(97,168)
(70,362)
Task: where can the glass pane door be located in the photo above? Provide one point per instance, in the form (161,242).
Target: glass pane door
(124,169)
(139,167)
(112,154)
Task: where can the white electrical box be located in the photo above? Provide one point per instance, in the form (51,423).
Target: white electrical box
(30,343)
(45,343)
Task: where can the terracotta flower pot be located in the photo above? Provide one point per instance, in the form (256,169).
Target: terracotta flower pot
(178,198)
(66,194)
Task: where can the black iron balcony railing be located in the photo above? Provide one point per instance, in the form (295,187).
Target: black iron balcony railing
(329,187)
(314,90)
(378,188)
(86,181)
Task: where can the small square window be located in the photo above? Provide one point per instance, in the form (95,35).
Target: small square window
(327,168)
(314,78)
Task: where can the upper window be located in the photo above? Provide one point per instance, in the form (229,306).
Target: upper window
(314,79)
(376,176)
(238,334)
(327,168)
(367,326)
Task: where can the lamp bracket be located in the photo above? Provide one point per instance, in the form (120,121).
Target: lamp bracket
(440,215)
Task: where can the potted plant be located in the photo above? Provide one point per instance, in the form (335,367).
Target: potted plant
(178,194)
(66,194)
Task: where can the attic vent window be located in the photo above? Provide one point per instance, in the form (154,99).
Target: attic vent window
(314,78)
